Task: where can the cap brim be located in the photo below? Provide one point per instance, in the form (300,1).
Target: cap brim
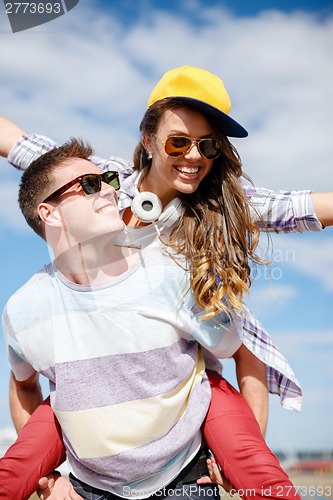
(229,126)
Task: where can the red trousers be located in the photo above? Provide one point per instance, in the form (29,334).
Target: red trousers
(233,434)
(37,451)
(230,431)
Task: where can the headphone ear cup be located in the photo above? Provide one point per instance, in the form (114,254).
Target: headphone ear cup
(172,212)
(146,206)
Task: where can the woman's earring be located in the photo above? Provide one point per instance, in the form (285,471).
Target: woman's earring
(149,156)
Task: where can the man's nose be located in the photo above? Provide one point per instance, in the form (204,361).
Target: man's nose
(108,191)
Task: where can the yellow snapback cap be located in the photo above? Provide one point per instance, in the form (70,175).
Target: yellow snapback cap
(203,90)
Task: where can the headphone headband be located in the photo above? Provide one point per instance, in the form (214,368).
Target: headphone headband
(147,207)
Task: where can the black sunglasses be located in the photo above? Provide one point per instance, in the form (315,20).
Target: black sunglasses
(90,183)
(179,145)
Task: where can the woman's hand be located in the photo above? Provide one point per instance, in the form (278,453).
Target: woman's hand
(215,476)
(56,487)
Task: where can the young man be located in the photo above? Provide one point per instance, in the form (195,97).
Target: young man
(116,337)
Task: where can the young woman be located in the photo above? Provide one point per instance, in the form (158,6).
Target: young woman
(184,153)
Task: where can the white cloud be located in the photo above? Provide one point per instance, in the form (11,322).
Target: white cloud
(272,295)
(298,339)
(304,348)
(10,214)
(313,258)
(8,435)
(317,398)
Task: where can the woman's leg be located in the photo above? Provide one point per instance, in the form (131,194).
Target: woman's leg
(37,451)
(233,435)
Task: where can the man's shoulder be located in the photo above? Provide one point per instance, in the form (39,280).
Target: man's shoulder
(32,290)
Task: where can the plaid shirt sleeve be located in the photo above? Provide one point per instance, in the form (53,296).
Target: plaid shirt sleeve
(31,146)
(282,211)
(28,148)
(280,376)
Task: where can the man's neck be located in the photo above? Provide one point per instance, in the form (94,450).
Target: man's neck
(91,264)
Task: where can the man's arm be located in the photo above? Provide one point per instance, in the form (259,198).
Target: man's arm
(9,134)
(24,397)
(252,381)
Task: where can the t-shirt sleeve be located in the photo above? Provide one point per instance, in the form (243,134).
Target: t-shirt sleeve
(19,366)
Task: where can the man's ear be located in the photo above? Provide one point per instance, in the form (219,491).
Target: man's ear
(49,214)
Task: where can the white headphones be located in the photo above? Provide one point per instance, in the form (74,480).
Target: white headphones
(147,207)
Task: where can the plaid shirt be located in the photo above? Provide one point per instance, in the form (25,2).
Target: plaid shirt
(274,211)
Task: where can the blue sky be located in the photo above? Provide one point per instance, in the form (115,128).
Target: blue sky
(90,72)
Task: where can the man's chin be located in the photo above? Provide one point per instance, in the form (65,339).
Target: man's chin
(117,231)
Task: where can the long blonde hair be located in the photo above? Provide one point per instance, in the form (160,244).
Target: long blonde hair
(216,233)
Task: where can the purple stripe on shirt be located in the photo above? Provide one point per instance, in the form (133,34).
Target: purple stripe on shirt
(108,380)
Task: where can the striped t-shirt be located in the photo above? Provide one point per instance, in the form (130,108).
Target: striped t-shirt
(127,377)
